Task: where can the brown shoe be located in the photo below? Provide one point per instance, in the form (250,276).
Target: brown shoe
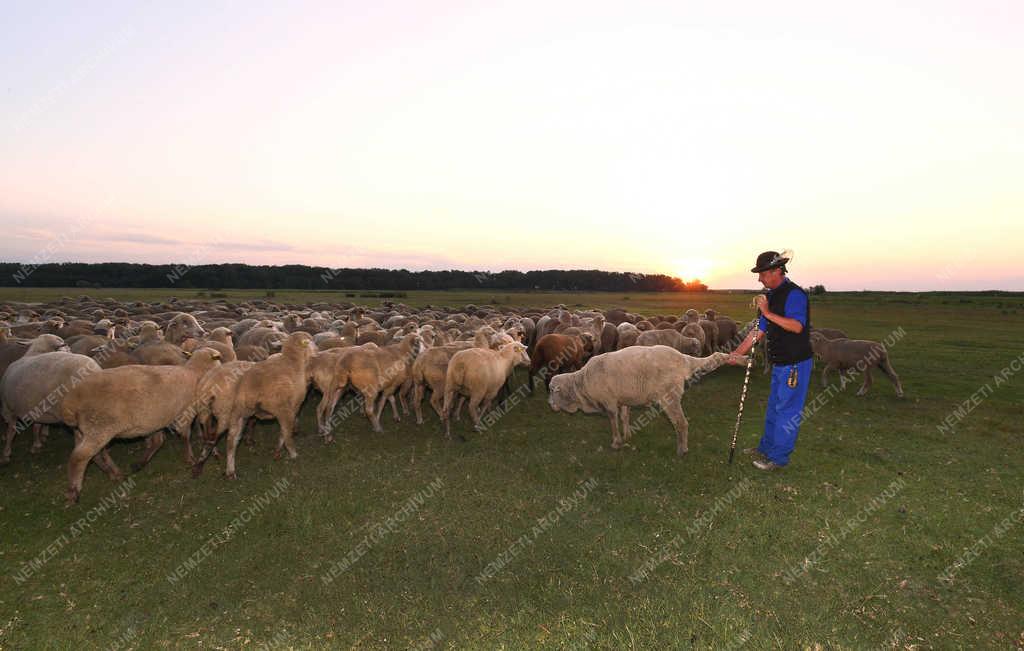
(753,452)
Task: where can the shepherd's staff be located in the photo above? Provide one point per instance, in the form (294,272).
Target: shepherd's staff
(743,394)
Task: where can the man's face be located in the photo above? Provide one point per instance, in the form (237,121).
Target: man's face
(771,278)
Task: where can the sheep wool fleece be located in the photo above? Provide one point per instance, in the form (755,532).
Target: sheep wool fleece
(785,411)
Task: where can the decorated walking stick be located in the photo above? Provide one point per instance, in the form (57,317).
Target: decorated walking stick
(743,394)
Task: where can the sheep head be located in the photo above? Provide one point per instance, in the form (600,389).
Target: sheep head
(562,394)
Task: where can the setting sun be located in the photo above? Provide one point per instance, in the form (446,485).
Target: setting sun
(693,269)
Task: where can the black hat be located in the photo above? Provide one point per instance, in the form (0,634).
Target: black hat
(769,260)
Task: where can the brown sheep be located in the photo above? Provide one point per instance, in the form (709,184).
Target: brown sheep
(558,353)
(842,354)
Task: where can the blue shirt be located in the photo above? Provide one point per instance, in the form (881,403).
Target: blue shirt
(796,308)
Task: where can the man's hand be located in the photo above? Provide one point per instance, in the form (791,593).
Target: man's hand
(761,301)
(737,360)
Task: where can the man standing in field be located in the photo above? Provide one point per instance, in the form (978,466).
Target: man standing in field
(786,320)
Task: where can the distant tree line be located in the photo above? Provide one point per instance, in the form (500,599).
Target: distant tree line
(243,276)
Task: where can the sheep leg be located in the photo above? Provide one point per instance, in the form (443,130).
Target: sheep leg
(417,402)
(474,412)
(530,379)
(153,443)
(234,435)
(107,465)
(250,432)
(403,396)
(325,412)
(286,440)
(886,367)
(613,416)
(824,374)
(627,431)
(39,434)
(867,382)
(458,410)
(437,402)
(394,408)
(8,441)
(674,411)
(186,439)
(369,406)
(85,449)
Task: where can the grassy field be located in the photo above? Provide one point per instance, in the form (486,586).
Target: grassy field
(534,534)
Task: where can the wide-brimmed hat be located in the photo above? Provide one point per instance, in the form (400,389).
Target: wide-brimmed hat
(769,260)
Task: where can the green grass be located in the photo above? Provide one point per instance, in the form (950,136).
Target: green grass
(722,584)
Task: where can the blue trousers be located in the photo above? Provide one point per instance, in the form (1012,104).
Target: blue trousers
(785,411)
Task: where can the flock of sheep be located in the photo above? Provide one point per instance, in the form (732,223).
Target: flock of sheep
(110,370)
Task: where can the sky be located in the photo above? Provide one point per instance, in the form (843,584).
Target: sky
(882,142)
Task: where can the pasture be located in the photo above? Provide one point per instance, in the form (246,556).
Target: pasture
(898,524)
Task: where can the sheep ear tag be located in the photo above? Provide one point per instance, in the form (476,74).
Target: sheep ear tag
(792,379)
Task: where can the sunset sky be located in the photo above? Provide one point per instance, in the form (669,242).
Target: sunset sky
(882,141)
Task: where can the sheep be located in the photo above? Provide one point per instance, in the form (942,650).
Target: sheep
(479,374)
(694,331)
(845,354)
(628,334)
(86,344)
(33,387)
(710,328)
(215,397)
(429,371)
(557,353)
(728,329)
(274,388)
(219,339)
(378,379)
(672,339)
(128,402)
(11,350)
(329,372)
(181,327)
(633,377)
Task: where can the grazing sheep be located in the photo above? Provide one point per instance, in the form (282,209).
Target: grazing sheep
(33,387)
(479,374)
(633,377)
(558,353)
(128,402)
(842,354)
(672,339)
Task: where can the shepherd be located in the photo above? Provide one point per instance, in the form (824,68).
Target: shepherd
(785,318)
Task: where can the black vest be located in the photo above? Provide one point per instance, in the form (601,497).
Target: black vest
(786,347)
